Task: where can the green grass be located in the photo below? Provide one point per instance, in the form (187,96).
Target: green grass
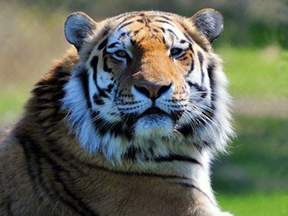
(256,72)
(258,157)
(11,104)
(253,179)
(255,204)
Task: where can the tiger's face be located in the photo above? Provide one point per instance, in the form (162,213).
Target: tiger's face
(148,80)
(142,72)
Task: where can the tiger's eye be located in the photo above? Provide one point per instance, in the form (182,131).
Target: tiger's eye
(175,51)
(121,54)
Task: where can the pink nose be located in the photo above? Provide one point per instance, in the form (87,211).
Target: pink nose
(152,90)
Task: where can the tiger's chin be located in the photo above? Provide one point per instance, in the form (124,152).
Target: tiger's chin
(154,126)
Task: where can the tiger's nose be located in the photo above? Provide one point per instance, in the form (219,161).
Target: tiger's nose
(152,90)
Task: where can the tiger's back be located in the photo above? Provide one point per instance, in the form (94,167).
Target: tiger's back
(83,146)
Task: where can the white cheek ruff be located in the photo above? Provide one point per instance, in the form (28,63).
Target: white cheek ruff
(79,117)
(213,132)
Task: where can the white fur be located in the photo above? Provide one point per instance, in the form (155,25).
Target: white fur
(80,119)
(153,126)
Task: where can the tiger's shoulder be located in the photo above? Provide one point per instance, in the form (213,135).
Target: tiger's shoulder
(16,162)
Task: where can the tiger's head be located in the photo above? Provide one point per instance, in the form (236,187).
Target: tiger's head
(147,84)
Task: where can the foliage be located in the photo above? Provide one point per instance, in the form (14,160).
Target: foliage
(257,159)
(252,180)
(256,72)
(252,204)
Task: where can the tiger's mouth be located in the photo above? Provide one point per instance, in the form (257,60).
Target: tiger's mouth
(153,111)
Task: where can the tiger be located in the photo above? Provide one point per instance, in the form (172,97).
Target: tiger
(126,123)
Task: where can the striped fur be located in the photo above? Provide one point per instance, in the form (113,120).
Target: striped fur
(94,141)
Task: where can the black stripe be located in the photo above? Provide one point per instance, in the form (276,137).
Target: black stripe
(104,127)
(163,30)
(210,70)
(98,100)
(140,20)
(153,175)
(192,65)
(171,31)
(179,113)
(137,31)
(57,169)
(103,44)
(163,39)
(165,17)
(188,38)
(35,151)
(183,26)
(191,48)
(113,45)
(72,159)
(163,21)
(76,163)
(31,148)
(189,185)
(123,34)
(85,82)
(94,64)
(8,203)
(125,24)
(200,56)
(199,88)
(56,150)
(110,87)
(133,42)
(129,16)
(132,153)
(155,30)
(186,130)
(121,16)
(171,158)
(29,160)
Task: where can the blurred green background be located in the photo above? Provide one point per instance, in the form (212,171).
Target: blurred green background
(253,178)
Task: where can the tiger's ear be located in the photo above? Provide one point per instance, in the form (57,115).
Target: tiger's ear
(78,27)
(209,23)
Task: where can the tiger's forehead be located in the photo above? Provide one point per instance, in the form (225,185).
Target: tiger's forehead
(148,26)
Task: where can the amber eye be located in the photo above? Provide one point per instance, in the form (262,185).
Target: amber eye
(121,54)
(176,52)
